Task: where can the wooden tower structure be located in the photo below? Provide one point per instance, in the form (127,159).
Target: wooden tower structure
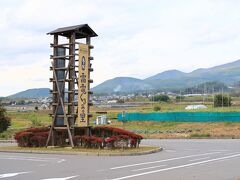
(71,66)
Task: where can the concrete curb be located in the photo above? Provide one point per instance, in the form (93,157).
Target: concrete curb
(157,149)
(7,141)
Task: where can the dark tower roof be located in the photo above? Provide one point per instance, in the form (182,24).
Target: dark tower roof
(82,31)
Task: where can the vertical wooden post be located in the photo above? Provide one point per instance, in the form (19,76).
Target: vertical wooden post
(71,84)
(52,132)
(88,42)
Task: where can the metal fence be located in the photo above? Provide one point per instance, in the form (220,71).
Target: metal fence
(182,117)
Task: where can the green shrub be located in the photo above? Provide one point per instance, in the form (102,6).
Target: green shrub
(162,97)
(221,100)
(200,135)
(5,121)
(35,121)
(157,108)
(179,98)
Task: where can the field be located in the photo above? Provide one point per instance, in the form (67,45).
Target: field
(150,129)
(22,120)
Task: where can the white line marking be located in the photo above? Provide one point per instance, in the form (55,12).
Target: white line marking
(199,159)
(25,159)
(12,174)
(164,160)
(148,168)
(62,160)
(31,157)
(65,178)
(168,150)
(190,149)
(176,167)
(230,153)
(220,150)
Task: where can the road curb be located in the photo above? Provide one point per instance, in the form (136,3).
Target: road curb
(157,149)
(7,141)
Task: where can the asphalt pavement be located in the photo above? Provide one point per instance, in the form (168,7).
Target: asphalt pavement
(214,159)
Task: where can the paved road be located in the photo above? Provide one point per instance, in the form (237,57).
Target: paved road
(180,160)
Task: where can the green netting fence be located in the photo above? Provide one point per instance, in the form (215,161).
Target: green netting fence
(182,117)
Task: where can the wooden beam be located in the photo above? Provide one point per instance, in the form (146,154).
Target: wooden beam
(64,112)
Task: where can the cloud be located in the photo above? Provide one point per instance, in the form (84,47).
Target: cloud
(136,38)
(22,77)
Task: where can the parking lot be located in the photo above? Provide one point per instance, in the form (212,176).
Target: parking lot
(180,159)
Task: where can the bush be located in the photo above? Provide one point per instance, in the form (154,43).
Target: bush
(162,97)
(116,134)
(5,121)
(6,135)
(35,121)
(88,141)
(157,108)
(179,98)
(38,141)
(221,100)
(107,137)
(32,137)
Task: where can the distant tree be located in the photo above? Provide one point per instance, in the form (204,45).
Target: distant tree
(5,121)
(222,100)
(162,97)
(178,98)
(36,108)
(21,102)
(207,87)
(120,101)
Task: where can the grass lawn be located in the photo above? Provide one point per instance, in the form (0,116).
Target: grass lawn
(153,129)
(22,120)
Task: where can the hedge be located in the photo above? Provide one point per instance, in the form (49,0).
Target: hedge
(108,137)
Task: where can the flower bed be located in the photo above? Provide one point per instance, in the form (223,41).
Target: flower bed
(116,137)
(32,137)
(101,136)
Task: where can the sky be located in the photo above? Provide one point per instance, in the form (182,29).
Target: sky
(136,38)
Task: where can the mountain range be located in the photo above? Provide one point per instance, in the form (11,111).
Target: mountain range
(173,79)
(32,93)
(168,80)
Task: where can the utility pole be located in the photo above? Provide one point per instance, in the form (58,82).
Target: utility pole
(228,100)
(222,97)
(213,96)
(180,99)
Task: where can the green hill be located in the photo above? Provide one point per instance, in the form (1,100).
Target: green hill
(31,93)
(173,79)
(122,84)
